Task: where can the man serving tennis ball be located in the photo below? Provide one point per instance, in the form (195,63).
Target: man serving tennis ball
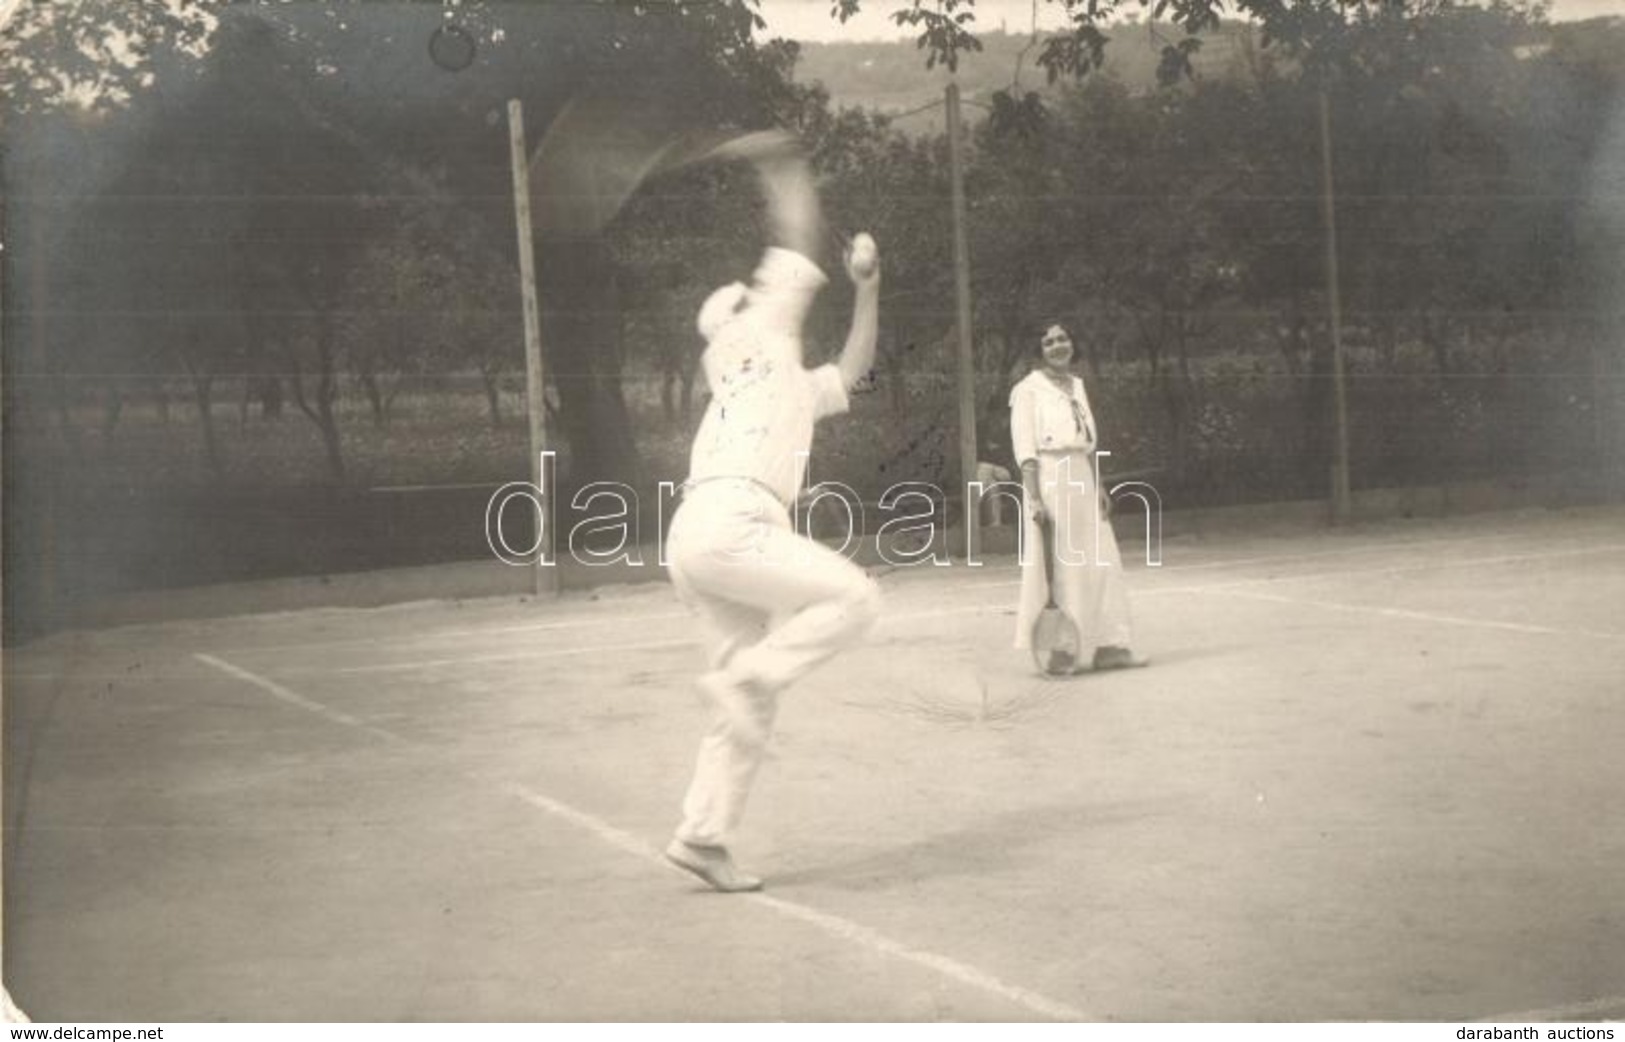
(774,604)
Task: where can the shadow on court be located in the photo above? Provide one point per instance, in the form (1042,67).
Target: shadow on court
(983,849)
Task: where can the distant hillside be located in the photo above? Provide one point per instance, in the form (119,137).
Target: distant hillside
(892,77)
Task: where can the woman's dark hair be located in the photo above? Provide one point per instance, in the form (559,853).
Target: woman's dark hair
(1036,356)
(1037,336)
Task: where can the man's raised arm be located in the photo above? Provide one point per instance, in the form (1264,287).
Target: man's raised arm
(857,357)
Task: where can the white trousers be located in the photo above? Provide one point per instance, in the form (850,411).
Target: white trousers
(774,605)
(1089,584)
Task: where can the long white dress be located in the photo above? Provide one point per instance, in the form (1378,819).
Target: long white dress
(1058,430)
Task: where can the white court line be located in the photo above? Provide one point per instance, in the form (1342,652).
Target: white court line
(598,649)
(511,656)
(1462,562)
(1232,586)
(293,698)
(1001,608)
(1560,1013)
(1349,573)
(1465,562)
(598,620)
(666,616)
(617,838)
(1420,616)
(951,968)
(1235,586)
(1349,551)
(602,615)
(844,929)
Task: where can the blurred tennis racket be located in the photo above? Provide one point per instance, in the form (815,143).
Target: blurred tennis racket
(1056,643)
(602,146)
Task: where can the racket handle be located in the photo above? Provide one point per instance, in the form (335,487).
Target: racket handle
(1047,528)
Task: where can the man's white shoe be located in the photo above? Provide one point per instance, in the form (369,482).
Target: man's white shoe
(712,864)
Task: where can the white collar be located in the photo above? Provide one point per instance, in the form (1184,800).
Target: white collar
(1041,377)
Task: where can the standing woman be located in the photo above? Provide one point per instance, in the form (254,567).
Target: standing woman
(1053,433)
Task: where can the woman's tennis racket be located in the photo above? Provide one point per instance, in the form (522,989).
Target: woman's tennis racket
(1055,642)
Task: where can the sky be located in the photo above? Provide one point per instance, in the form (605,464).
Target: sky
(810,19)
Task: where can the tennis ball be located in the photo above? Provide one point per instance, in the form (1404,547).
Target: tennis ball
(865,257)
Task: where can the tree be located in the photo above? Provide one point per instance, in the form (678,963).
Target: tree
(94,57)
(439,137)
(291,73)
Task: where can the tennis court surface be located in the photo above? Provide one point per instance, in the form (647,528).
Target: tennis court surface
(1372,774)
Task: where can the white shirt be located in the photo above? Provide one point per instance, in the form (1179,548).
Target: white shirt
(764,401)
(1044,418)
